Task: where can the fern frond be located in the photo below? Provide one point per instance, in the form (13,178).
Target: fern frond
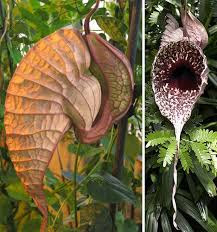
(203,135)
(201,152)
(166,155)
(158,137)
(185,159)
(214,164)
(153,18)
(162,154)
(213,146)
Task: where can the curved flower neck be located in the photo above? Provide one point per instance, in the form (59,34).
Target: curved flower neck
(89,15)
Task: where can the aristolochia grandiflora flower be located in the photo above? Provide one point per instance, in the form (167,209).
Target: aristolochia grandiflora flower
(180,74)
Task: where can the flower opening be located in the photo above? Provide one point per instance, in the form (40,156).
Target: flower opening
(179,77)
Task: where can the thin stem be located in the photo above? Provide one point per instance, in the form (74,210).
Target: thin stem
(75,186)
(175,186)
(63,180)
(111,143)
(131,54)
(210,124)
(184,3)
(6,23)
(69,183)
(87,19)
(122,127)
(57,215)
(74,190)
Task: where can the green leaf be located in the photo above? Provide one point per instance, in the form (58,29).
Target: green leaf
(3,228)
(203,135)
(17,192)
(5,209)
(15,54)
(201,152)
(50,179)
(97,217)
(205,178)
(183,224)
(2,109)
(165,223)
(85,149)
(32,225)
(207,101)
(153,18)
(185,159)
(202,207)
(214,164)
(212,62)
(189,208)
(213,29)
(133,146)
(35,4)
(212,222)
(109,189)
(166,155)
(167,186)
(213,78)
(192,187)
(35,21)
(124,225)
(113,27)
(151,222)
(205,8)
(30,221)
(174,2)
(158,137)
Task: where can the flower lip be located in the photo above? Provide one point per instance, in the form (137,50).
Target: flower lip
(179,65)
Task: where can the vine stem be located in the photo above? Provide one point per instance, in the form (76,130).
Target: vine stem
(6,20)
(175,185)
(123,124)
(75,190)
(63,180)
(75,185)
(87,19)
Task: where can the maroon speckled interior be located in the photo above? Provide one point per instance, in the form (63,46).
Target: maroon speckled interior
(183,77)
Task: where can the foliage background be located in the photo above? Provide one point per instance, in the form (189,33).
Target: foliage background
(196,193)
(78,191)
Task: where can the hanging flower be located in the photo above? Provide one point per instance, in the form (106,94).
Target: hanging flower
(180,69)
(180,74)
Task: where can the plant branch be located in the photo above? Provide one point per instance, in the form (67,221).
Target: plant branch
(131,54)
(5,17)
(122,126)
(87,19)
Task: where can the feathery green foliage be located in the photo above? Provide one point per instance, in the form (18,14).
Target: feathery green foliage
(166,155)
(158,137)
(185,159)
(201,153)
